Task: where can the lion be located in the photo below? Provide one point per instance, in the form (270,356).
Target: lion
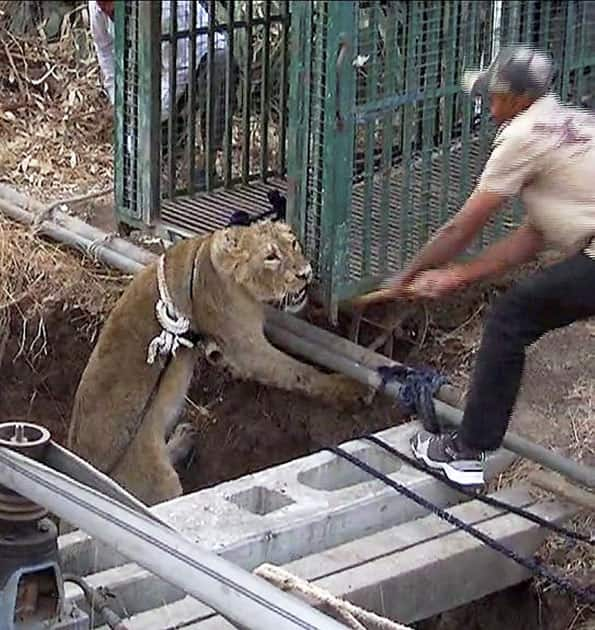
(209,292)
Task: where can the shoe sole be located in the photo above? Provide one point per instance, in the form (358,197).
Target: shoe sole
(463,478)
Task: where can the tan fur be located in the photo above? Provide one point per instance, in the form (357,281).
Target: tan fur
(125,408)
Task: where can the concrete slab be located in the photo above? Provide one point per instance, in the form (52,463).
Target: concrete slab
(413,566)
(283,513)
(408,581)
(278,515)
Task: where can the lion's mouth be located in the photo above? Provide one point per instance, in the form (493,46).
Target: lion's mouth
(293,302)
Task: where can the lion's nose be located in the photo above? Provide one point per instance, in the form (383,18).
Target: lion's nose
(305,273)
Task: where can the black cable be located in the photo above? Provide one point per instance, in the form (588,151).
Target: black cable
(97,600)
(563,531)
(531,564)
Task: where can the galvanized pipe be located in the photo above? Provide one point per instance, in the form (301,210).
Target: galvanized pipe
(25,209)
(68,237)
(347,348)
(327,350)
(241,597)
(315,351)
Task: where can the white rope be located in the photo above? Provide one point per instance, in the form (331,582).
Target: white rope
(352,616)
(93,248)
(172,322)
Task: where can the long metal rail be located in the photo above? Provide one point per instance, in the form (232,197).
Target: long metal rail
(242,598)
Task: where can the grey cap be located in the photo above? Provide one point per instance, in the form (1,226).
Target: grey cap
(515,70)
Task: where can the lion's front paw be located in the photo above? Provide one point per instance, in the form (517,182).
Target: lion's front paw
(181,444)
(346,393)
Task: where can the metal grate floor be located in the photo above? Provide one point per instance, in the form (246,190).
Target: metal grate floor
(206,212)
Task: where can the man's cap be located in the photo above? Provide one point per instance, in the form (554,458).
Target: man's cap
(515,70)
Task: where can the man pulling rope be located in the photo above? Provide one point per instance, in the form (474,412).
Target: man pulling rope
(544,151)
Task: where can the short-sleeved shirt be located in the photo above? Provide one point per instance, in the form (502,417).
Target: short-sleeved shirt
(547,155)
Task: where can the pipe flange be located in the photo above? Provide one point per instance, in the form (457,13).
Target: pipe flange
(16,509)
(30,440)
(24,437)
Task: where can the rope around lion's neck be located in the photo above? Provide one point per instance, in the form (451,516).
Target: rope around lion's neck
(174,325)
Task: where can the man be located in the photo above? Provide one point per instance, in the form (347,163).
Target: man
(101,17)
(544,151)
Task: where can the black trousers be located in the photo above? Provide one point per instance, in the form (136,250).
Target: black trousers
(553,298)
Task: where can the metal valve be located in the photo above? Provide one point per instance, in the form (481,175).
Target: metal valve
(31,585)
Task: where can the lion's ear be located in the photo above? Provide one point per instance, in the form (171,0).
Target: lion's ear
(226,241)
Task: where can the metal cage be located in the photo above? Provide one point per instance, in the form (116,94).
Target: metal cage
(383,144)
(195,144)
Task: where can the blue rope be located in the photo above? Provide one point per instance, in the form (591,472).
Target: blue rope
(416,395)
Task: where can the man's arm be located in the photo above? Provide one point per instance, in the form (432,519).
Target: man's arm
(517,248)
(104,47)
(452,238)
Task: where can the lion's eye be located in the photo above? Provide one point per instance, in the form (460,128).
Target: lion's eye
(272,256)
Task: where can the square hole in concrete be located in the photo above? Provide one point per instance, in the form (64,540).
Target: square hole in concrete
(260,500)
(339,473)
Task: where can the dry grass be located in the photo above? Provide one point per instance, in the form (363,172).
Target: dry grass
(574,436)
(37,276)
(55,130)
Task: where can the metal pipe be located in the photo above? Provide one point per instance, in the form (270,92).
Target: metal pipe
(32,207)
(68,237)
(580,473)
(241,597)
(354,361)
(347,348)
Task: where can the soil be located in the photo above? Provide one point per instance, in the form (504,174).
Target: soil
(517,608)
(248,426)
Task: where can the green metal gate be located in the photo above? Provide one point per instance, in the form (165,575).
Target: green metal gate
(383,144)
(244,90)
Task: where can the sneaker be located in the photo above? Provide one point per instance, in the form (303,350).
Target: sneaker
(445,452)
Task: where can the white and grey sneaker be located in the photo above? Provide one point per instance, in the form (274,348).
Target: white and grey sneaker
(445,452)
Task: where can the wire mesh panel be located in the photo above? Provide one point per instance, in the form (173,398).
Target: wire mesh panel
(321,134)
(418,139)
(418,143)
(202,112)
(126,108)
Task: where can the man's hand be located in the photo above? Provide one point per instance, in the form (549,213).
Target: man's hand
(436,283)
(399,286)
(450,240)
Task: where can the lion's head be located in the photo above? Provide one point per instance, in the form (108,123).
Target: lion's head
(266,259)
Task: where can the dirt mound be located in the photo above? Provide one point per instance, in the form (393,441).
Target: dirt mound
(52,304)
(37,276)
(244,427)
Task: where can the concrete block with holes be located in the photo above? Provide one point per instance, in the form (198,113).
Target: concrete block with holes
(302,509)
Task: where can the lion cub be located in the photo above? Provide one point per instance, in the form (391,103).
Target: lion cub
(133,387)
